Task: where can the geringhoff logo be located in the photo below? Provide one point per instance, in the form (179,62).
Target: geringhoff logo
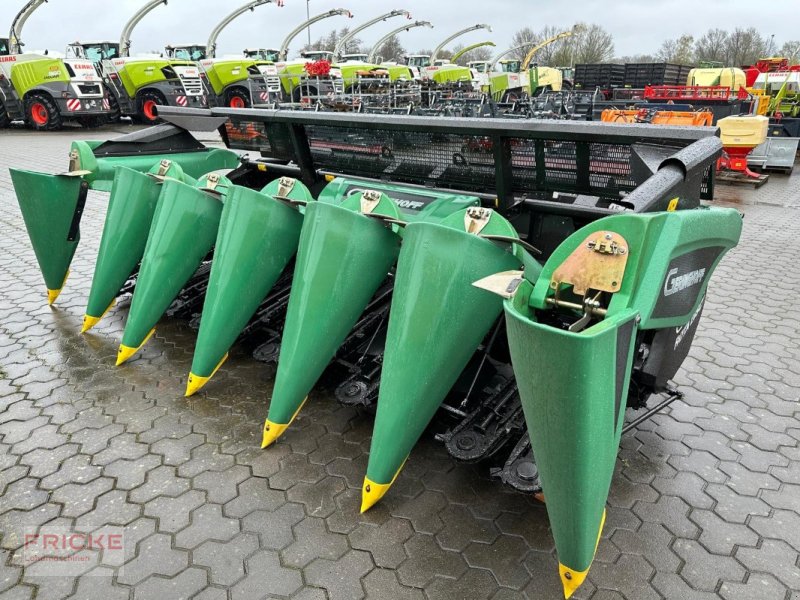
(677,283)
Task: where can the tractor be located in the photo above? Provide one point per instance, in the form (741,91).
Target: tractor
(235,81)
(440,73)
(512,79)
(139,85)
(45,91)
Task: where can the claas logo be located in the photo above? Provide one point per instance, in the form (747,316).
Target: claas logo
(53,72)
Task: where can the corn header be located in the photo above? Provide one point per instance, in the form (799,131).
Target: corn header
(511,285)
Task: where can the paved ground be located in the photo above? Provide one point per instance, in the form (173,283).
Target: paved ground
(705,502)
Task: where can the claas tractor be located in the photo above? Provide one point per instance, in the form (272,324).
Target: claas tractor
(527,304)
(235,81)
(45,91)
(511,79)
(139,85)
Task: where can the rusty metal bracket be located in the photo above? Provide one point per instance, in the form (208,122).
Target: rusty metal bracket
(598,263)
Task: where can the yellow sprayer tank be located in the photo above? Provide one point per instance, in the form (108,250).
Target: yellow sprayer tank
(743,131)
(725,76)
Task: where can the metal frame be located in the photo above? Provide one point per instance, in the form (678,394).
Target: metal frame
(667,162)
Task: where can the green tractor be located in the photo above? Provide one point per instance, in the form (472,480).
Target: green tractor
(45,91)
(440,72)
(139,85)
(235,81)
(512,79)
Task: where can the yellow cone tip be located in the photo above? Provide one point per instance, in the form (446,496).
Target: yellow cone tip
(89,321)
(571,579)
(53,294)
(195,382)
(371,492)
(272,430)
(125,352)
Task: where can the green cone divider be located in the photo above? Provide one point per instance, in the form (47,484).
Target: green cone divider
(258,235)
(183,231)
(574,385)
(131,207)
(436,323)
(48,204)
(343,257)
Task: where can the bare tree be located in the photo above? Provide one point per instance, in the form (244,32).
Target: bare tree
(526,38)
(679,51)
(712,46)
(392,49)
(635,58)
(594,45)
(328,42)
(588,43)
(745,46)
(791,50)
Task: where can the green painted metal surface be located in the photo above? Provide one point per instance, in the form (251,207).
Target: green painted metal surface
(183,231)
(342,259)
(224,72)
(194,164)
(574,385)
(48,204)
(258,235)
(436,323)
(131,207)
(138,73)
(30,74)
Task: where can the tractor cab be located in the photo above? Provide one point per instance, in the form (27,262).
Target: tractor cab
(479,66)
(96,52)
(441,62)
(354,58)
(316,55)
(265,54)
(418,61)
(510,66)
(191,52)
(5,47)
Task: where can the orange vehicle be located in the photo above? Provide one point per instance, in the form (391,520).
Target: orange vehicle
(657,117)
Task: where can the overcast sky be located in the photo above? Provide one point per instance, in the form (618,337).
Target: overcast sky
(638,26)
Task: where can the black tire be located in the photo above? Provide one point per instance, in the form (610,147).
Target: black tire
(144,106)
(5,120)
(41,112)
(114,114)
(237,98)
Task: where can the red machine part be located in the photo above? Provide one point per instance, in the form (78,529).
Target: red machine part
(735,159)
(719,93)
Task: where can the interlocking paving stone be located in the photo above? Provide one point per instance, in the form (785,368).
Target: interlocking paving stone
(705,502)
(265,577)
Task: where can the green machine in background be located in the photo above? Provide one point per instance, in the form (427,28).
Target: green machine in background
(590,239)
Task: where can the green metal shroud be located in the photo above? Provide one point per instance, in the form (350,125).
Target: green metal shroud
(343,257)
(574,385)
(131,207)
(436,323)
(52,205)
(258,235)
(48,204)
(183,231)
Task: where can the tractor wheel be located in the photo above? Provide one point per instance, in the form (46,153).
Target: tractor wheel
(238,98)
(41,113)
(147,107)
(5,120)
